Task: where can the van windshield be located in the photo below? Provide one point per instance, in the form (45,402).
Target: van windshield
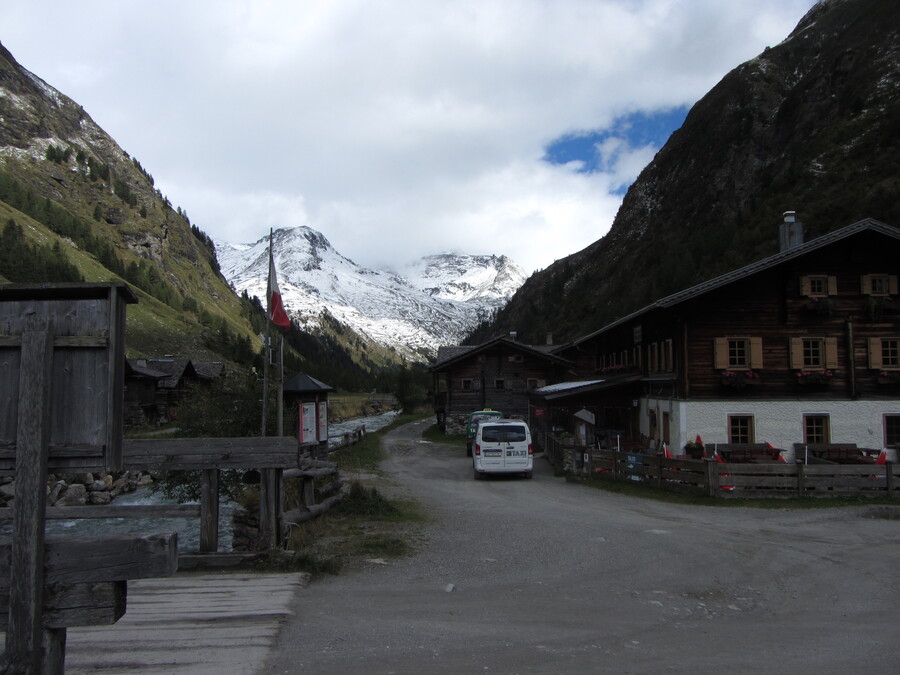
(498,434)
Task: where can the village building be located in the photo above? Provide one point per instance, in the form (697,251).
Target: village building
(154,386)
(800,348)
(497,375)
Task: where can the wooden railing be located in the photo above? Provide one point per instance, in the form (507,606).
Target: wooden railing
(760,479)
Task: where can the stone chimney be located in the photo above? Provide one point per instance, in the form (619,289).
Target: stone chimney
(790,232)
(549,338)
(513,335)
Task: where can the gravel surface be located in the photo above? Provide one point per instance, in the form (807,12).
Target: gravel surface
(544,576)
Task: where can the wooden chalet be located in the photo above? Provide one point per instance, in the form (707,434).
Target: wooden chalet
(497,374)
(154,386)
(801,347)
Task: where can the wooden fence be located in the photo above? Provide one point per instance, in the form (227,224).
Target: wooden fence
(770,479)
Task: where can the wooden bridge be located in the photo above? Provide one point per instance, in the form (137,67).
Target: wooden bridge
(61,382)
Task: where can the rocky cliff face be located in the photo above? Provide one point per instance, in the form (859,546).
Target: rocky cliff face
(811,124)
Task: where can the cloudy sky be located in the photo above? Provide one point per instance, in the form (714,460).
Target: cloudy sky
(397,128)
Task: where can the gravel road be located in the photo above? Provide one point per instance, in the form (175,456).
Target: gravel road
(543,576)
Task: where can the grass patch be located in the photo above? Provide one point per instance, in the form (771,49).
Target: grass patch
(647,491)
(367,524)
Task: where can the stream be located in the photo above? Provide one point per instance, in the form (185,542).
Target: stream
(188,529)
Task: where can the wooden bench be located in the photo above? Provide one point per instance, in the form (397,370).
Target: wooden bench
(833,453)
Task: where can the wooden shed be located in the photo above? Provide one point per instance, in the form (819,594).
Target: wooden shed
(309,398)
(86,325)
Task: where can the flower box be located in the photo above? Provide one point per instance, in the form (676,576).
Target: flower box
(814,378)
(738,379)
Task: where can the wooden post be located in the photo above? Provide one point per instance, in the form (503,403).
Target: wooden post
(209,510)
(24,638)
(659,470)
(712,476)
(889,478)
(801,478)
(270,508)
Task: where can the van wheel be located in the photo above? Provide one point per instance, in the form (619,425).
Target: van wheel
(527,474)
(478,476)
(468,452)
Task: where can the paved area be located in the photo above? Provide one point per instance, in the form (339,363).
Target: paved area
(544,576)
(189,624)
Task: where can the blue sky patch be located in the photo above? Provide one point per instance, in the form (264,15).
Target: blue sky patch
(636,129)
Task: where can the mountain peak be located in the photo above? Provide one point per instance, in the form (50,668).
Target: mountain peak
(432,302)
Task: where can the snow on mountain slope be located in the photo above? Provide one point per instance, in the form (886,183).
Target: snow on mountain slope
(435,302)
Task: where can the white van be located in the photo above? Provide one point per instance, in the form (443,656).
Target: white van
(502,446)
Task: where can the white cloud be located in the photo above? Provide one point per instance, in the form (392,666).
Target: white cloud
(397,128)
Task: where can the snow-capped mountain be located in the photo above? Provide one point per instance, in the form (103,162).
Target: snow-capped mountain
(432,302)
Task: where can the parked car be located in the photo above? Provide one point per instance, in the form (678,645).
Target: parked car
(502,446)
(473,419)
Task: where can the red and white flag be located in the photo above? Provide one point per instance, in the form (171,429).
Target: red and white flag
(273,294)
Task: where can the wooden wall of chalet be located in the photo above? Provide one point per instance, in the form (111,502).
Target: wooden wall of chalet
(769,305)
(515,367)
(87,325)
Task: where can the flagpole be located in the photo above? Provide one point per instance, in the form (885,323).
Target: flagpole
(267,341)
(280,404)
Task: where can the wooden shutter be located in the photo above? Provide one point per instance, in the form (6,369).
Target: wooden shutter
(892,284)
(832,285)
(865,284)
(831,352)
(756,354)
(805,286)
(721,353)
(875,353)
(797,353)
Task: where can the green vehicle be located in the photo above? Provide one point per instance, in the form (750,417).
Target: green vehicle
(473,419)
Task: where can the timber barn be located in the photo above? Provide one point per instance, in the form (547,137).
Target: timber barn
(497,374)
(802,347)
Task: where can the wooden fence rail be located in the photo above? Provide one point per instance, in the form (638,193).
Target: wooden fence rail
(734,479)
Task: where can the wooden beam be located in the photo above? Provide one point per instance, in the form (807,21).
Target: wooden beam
(24,639)
(67,605)
(209,511)
(113,511)
(113,558)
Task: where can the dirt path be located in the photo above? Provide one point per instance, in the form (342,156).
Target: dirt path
(542,576)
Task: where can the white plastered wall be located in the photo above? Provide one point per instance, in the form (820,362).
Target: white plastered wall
(777,422)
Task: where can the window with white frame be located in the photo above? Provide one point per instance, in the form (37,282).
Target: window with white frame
(878,284)
(816,428)
(816,353)
(738,353)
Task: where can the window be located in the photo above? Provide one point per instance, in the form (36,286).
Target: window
(816,429)
(818,286)
(516,358)
(668,356)
(499,384)
(879,284)
(892,430)
(740,429)
(738,353)
(466,384)
(813,353)
(884,353)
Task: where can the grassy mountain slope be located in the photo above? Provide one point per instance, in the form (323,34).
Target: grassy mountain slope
(812,125)
(63,179)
